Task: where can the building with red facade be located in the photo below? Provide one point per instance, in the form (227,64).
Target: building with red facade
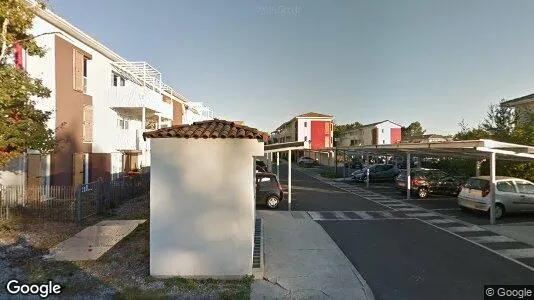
(314,128)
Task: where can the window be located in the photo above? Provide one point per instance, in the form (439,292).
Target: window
(117,80)
(383,141)
(305,124)
(80,65)
(123,81)
(382,130)
(506,187)
(305,138)
(525,187)
(87,124)
(123,123)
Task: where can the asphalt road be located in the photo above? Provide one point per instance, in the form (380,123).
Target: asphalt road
(446,205)
(407,258)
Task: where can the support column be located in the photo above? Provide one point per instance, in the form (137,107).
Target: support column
(479,165)
(278,165)
(143,128)
(289,181)
(492,187)
(408,175)
(159,122)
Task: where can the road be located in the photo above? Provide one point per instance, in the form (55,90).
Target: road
(405,249)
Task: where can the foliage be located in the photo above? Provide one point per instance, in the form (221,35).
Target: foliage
(414,130)
(339,130)
(502,124)
(22,126)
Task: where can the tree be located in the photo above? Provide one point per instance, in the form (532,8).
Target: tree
(22,126)
(339,130)
(414,130)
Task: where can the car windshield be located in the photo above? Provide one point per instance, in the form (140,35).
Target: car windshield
(477,184)
(525,187)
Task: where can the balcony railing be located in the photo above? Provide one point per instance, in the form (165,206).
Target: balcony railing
(137,97)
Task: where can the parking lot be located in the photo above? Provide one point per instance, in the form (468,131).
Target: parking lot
(446,205)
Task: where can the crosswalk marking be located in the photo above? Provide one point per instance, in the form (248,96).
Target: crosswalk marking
(386,214)
(518,253)
(440,221)
(491,239)
(363,215)
(420,215)
(408,209)
(465,229)
(315,215)
(341,215)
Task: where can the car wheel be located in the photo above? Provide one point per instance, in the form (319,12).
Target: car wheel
(499,211)
(422,192)
(273,202)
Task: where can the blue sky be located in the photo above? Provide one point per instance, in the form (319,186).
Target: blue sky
(263,62)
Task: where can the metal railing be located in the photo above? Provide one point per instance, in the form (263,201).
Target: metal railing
(69,204)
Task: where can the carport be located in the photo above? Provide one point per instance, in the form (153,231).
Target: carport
(271,149)
(482,149)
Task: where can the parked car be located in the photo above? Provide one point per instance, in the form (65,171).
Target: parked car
(383,172)
(354,164)
(511,195)
(306,161)
(429,181)
(261,163)
(269,191)
(260,169)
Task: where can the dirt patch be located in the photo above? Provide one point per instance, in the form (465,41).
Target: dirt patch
(122,272)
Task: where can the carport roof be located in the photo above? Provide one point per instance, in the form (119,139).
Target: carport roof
(470,148)
(211,129)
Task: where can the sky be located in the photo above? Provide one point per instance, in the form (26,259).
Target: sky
(264,62)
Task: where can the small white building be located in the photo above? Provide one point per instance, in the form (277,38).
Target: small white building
(202,206)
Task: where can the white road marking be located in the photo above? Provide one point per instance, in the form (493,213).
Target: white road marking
(386,214)
(440,221)
(363,215)
(465,229)
(491,239)
(417,215)
(341,215)
(409,209)
(315,215)
(518,253)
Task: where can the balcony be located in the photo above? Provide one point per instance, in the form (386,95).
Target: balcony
(132,96)
(128,139)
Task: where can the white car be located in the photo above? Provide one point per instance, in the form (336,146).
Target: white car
(511,195)
(305,161)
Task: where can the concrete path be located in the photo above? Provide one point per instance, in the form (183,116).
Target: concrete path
(302,262)
(93,241)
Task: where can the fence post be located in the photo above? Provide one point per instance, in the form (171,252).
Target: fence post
(78,194)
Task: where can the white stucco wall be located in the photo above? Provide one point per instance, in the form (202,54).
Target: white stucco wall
(14,173)
(202,206)
(384,132)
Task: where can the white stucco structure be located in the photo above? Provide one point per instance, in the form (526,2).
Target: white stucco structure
(202,206)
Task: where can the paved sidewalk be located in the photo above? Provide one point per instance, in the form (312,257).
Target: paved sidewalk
(303,262)
(93,241)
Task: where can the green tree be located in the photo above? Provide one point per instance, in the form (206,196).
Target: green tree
(339,130)
(22,126)
(414,130)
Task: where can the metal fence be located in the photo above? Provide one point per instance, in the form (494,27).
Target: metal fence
(66,203)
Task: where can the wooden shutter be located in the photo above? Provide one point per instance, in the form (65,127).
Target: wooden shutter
(78,70)
(88,124)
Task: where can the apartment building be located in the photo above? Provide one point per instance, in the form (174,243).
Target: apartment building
(198,111)
(522,105)
(379,133)
(315,128)
(100,103)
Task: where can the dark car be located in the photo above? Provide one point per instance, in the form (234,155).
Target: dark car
(384,172)
(429,181)
(269,192)
(261,164)
(354,164)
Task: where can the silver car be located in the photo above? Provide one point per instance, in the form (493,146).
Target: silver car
(511,195)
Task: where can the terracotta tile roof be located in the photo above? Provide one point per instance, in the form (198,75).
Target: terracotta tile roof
(211,129)
(314,115)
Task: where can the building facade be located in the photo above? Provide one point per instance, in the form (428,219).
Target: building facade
(314,128)
(522,105)
(198,112)
(100,104)
(380,133)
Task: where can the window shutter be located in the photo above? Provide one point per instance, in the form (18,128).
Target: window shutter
(88,124)
(78,70)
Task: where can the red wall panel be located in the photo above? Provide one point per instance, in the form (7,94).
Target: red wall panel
(395,135)
(317,134)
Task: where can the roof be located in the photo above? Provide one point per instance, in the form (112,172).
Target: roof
(376,123)
(486,177)
(524,99)
(210,129)
(314,115)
